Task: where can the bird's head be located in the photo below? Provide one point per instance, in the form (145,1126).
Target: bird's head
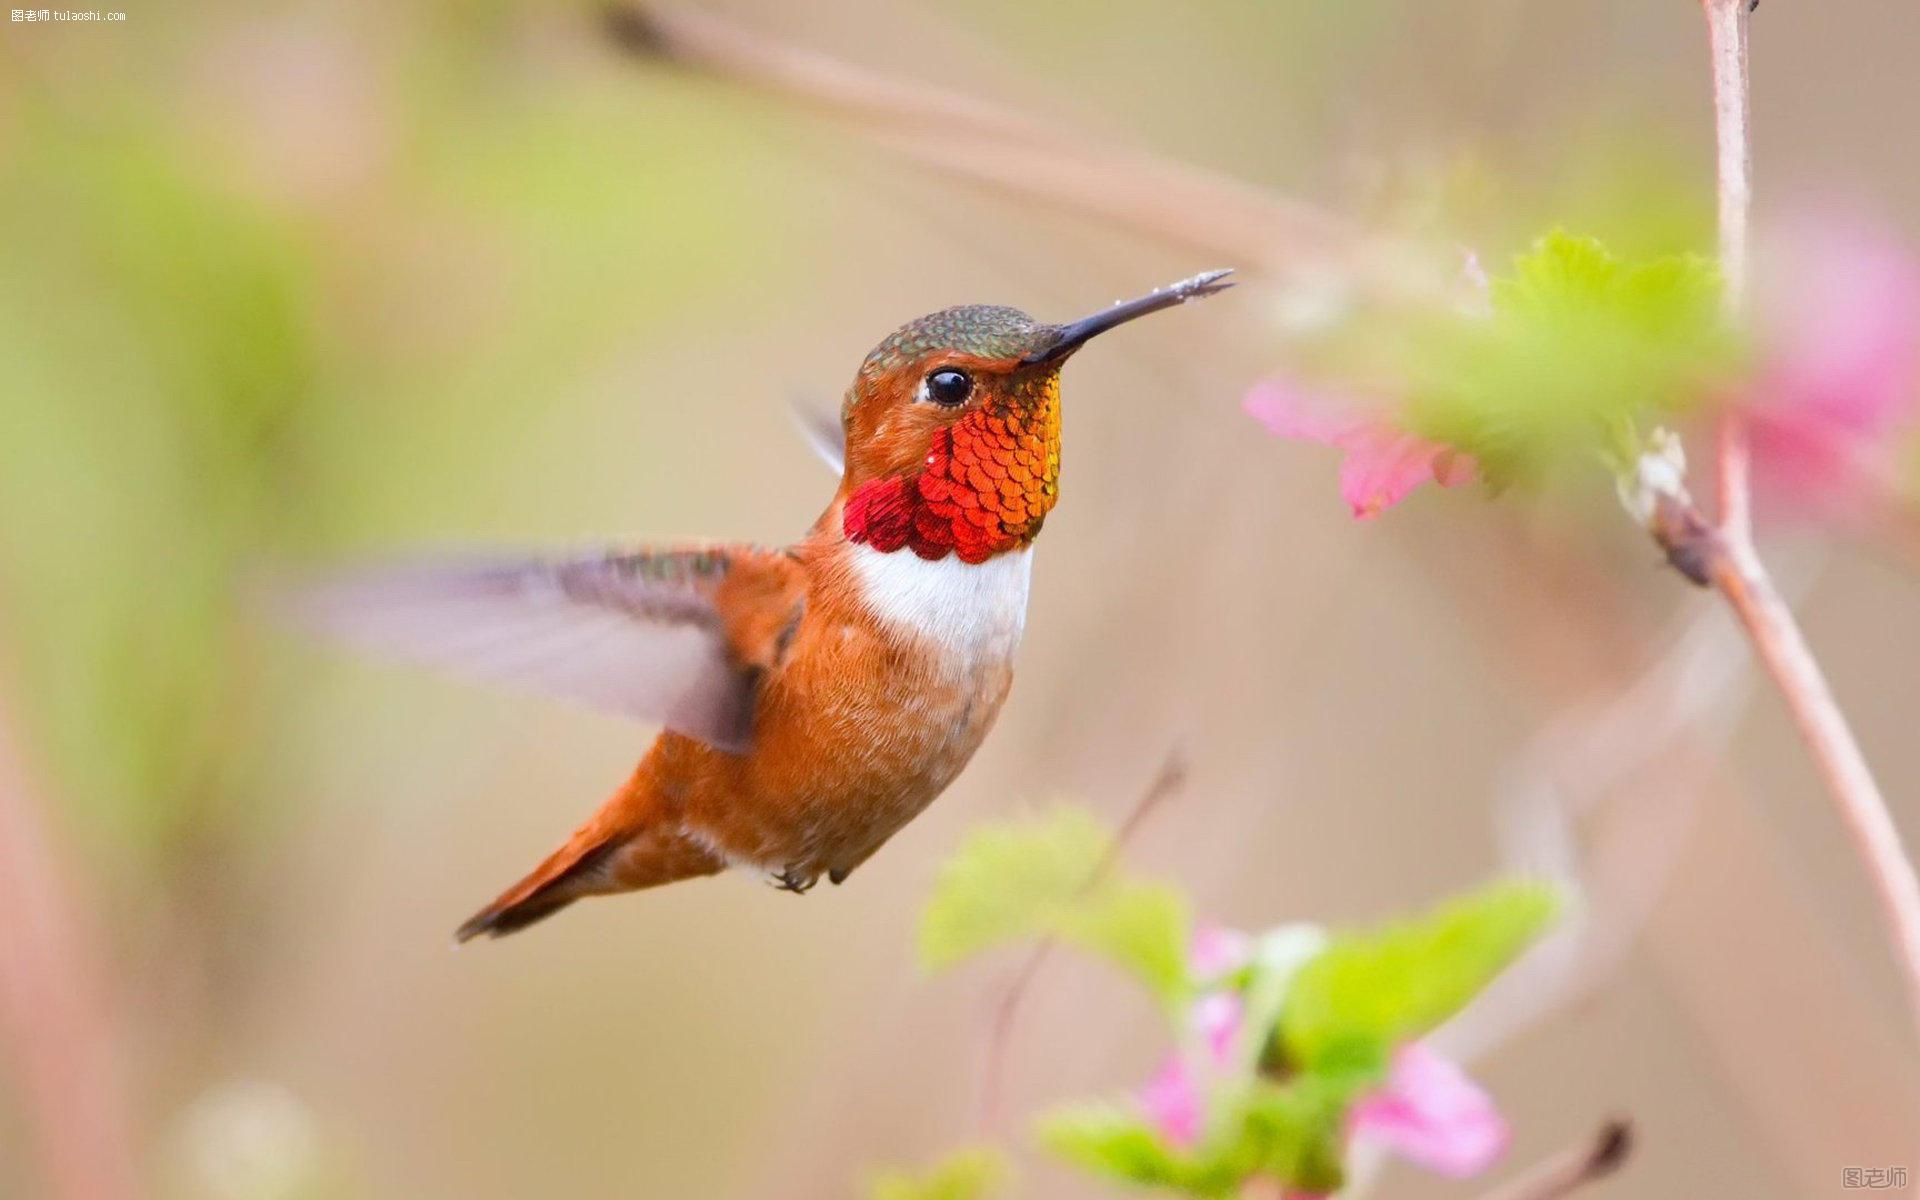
(952,426)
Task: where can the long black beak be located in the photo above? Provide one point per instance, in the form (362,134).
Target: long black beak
(1075,335)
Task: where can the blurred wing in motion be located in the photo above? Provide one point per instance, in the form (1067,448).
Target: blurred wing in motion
(675,635)
(824,434)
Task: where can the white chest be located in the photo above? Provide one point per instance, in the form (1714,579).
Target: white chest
(972,611)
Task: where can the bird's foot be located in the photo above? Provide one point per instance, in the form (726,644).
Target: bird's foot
(791,880)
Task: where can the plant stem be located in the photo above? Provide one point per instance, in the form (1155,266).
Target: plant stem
(1733,118)
(1571,1170)
(1736,570)
(1040,160)
(1733,127)
(1170,778)
(1790,663)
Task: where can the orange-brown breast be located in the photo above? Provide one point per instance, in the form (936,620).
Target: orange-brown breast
(890,681)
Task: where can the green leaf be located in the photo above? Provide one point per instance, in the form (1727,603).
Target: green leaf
(1292,1133)
(1141,927)
(1054,877)
(969,1174)
(1112,1141)
(1004,878)
(1579,348)
(1368,991)
(1295,1133)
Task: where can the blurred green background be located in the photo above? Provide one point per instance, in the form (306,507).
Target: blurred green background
(289,284)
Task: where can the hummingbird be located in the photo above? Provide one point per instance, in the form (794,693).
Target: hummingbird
(813,698)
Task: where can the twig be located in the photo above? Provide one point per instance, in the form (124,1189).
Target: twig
(703,42)
(54,1015)
(1656,733)
(1789,661)
(1171,777)
(1575,640)
(1573,1169)
(1733,143)
(1011,152)
(1734,566)
(1732,120)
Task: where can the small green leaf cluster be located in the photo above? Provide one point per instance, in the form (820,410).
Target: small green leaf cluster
(1049,878)
(1578,350)
(1370,991)
(1260,1125)
(1320,1015)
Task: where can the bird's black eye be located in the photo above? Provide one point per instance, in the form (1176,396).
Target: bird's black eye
(949,387)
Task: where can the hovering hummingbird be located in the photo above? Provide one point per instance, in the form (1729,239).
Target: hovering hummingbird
(817,697)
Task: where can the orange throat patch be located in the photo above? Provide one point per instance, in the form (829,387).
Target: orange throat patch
(985,487)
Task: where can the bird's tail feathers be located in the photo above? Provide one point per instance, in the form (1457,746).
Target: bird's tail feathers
(578,868)
(624,846)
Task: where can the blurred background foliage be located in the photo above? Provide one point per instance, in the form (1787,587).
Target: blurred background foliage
(198,357)
(289,283)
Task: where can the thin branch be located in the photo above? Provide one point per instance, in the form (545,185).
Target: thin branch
(1575,1168)
(1577,640)
(1040,161)
(1783,650)
(1656,734)
(1733,565)
(1732,458)
(1168,781)
(1733,127)
(700,41)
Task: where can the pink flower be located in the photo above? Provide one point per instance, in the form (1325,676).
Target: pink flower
(1840,380)
(1383,463)
(1172,1100)
(1217,950)
(1216,1018)
(1430,1113)
(1172,1104)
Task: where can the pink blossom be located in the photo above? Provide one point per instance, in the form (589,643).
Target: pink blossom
(1216,1018)
(1430,1113)
(1217,950)
(1840,379)
(1383,462)
(1172,1099)
(1172,1103)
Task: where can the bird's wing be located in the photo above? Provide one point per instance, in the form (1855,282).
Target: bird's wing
(823,433)
(677,635)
